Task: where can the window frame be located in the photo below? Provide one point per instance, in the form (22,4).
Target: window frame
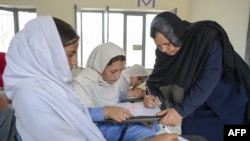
(106,37)
(16,24)
(16,15)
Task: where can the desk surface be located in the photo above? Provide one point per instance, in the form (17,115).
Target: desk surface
(137,119)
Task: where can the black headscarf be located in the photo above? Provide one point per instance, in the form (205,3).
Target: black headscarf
(173,28)
(195,40)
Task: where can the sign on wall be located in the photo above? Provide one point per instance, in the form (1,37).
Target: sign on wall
(146,3)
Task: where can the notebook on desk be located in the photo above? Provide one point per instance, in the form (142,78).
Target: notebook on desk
(137,119)
(138,109)
(139,113)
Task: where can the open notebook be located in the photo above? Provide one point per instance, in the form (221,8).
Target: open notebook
(138,109)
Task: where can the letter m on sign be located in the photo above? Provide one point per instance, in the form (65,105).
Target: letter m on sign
(146,3)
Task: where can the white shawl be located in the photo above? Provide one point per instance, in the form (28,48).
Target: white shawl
(135,70)
(36,77)
(89,84)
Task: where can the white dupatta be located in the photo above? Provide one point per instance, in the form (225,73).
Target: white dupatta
(36,77)
(89,84)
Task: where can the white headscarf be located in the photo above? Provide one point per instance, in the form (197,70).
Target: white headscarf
(89,84)
(135,70)
(36,77)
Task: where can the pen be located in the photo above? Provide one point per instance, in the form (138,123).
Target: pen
(154,100)
(148,90)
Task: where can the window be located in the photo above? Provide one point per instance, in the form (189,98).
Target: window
(92,30)
(12,21)
(129,30)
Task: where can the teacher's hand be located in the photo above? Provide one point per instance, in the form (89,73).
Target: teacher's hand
(171,117)
(150,101)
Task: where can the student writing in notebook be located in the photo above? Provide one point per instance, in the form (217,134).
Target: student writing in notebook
(130,79)
(39,60)
(98,87)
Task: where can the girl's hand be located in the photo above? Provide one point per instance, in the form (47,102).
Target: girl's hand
(3,101)
(136,92)
(118,114)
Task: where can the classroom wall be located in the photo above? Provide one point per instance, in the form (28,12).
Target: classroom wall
(65,8)
(233,15)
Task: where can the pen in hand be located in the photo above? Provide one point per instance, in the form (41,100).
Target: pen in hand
(152,101)
(148,90)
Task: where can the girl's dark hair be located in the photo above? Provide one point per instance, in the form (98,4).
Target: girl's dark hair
(66,32)
(116,58)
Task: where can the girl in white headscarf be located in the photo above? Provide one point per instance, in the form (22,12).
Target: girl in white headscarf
(97,86)
(131,78)
(39,60)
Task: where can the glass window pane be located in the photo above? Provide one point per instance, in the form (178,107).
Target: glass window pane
(91,33)
(24,17)
(6,29)
(79,32)
(116,25)
(134,40)
(149,44)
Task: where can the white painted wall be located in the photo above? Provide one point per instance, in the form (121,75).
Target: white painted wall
(233,15)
